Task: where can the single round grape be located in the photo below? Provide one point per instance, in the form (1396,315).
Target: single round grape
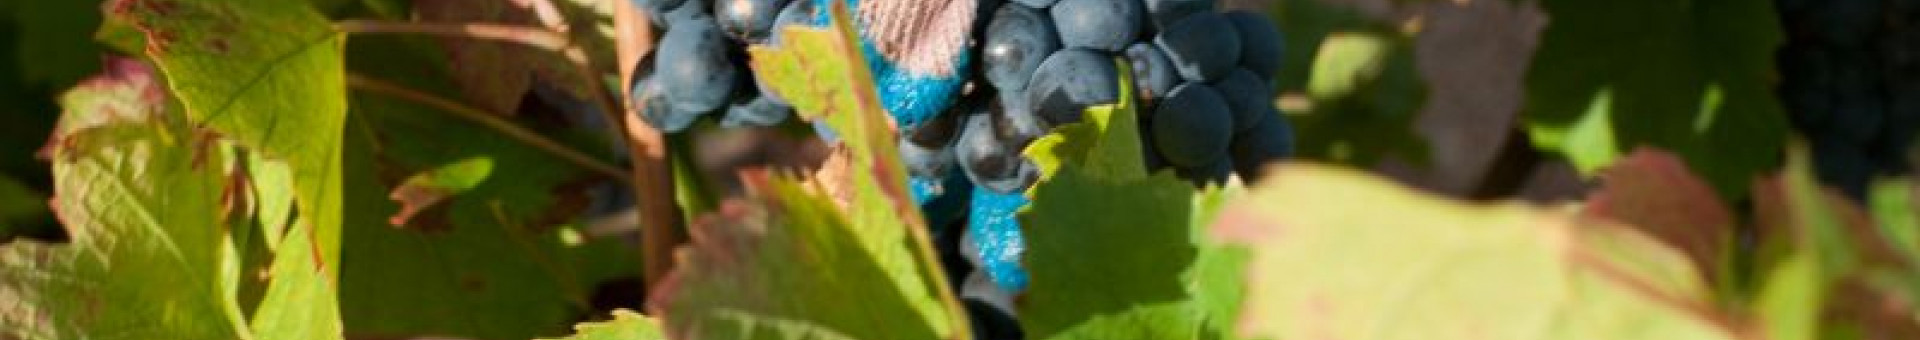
(928,149)
(1215,173)
(1164,13)
(989,163)
(759,111)
(1261,45)
(1193,125)
(693,69)
(1203,47)
(1153,74)
(797,12)
(687,11)
(1270,140)
(1101,25)
(656,110)
(1247,95)
(1069,81)
(748,20)
(1015,121)
(1018,39)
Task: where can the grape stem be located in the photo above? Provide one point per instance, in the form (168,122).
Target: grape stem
(490,120)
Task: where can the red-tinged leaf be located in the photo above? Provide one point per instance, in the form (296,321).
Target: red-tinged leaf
(144,198)
(1654,191)
(494,75)
(786,263)
(271,76)
(429,189)
(1338,254)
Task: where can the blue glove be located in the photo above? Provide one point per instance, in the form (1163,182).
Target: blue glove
(995,234)
(910,97)
(915,97)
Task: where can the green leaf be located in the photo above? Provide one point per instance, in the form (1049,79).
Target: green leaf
(1366,95)
(270,75)
(1654,191)
(788,265)
(491,259)
(1692,77)
(822,72)
(1134,272)
(1330,264)
(626,325)
(1895,205)
(142,195)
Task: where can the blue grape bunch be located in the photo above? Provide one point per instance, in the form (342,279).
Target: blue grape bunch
(1205,79)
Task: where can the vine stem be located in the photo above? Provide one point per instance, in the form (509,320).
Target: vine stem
(490,120)
(531,36)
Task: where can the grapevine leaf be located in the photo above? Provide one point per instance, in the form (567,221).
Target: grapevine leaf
(434,186)
(271,76)
(493,75)
(1852,272)
(143,197)
(786,264)
(1366,94)
(1329,265)
(490,260)
(626,325)
(823,73)
(1136,272)
(1653,191)
(1689,77)
(1896,204)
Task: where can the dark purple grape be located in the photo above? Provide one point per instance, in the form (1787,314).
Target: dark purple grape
(928,149)
(1017,40)
(1164,13)
(1215,173)
(1248,95)
(1261,44)
(1153,74)
(1203,47)
(989,162)
(687,11)
(1016,121)
(749,21)
(692,67)
(757,112)
(1101,25)
(1270,140)
(1193,125)
(657,110)
(1070,81)
(797,12)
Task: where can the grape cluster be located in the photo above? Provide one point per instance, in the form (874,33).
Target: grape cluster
(699,65)
(1205,80)
(1850,80)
